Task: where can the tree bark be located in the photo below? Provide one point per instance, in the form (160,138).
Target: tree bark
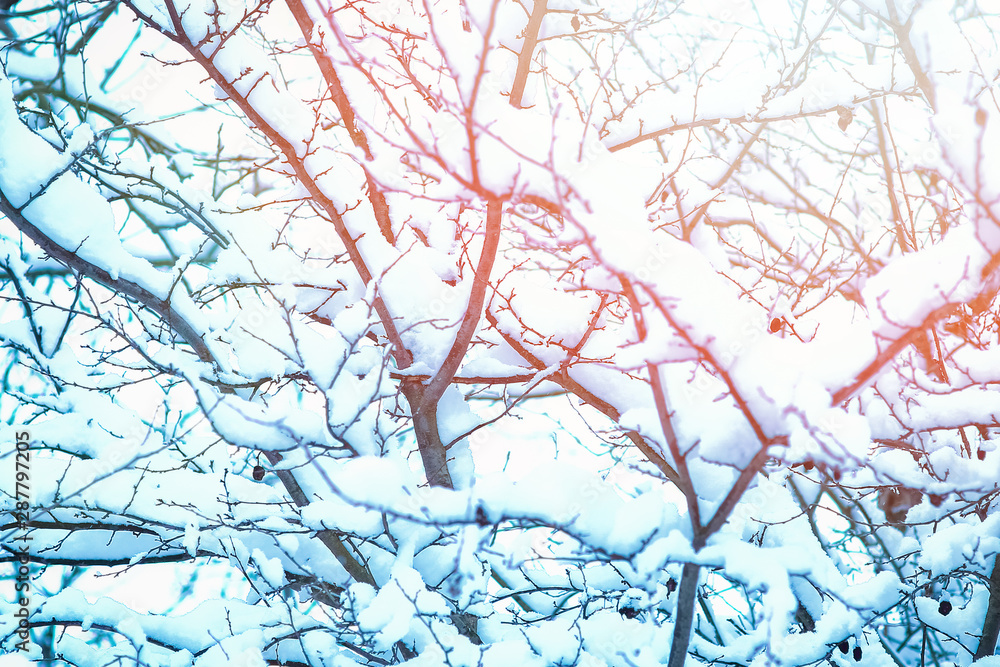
(686,595)
(991,624)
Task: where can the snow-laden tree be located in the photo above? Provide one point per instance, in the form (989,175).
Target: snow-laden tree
(497,332)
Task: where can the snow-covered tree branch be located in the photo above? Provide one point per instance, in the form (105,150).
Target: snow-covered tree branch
(500,332)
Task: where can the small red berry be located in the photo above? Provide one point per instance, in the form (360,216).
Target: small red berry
(629,612)
(776,325)
(944,608)
(843,646)
(258,473)
(936,499)
(981,455)
(857,653)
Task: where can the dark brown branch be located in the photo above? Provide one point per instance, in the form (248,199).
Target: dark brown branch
(686,595)
(564,380)
(105,562)
(358,571)
(136,292)
(735,493)
(63,525)
(187,332)
(689,579)
(991,624)
(680,462)
(433,454)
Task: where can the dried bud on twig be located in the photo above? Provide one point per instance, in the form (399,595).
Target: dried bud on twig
(845,117)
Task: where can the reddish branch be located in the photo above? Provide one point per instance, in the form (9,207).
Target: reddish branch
(402,355)
(902,31)
(897,216)
(564,379)
(701,533)
(343,104)
(684,481)
(888,354)
(477,301)
(527,51)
